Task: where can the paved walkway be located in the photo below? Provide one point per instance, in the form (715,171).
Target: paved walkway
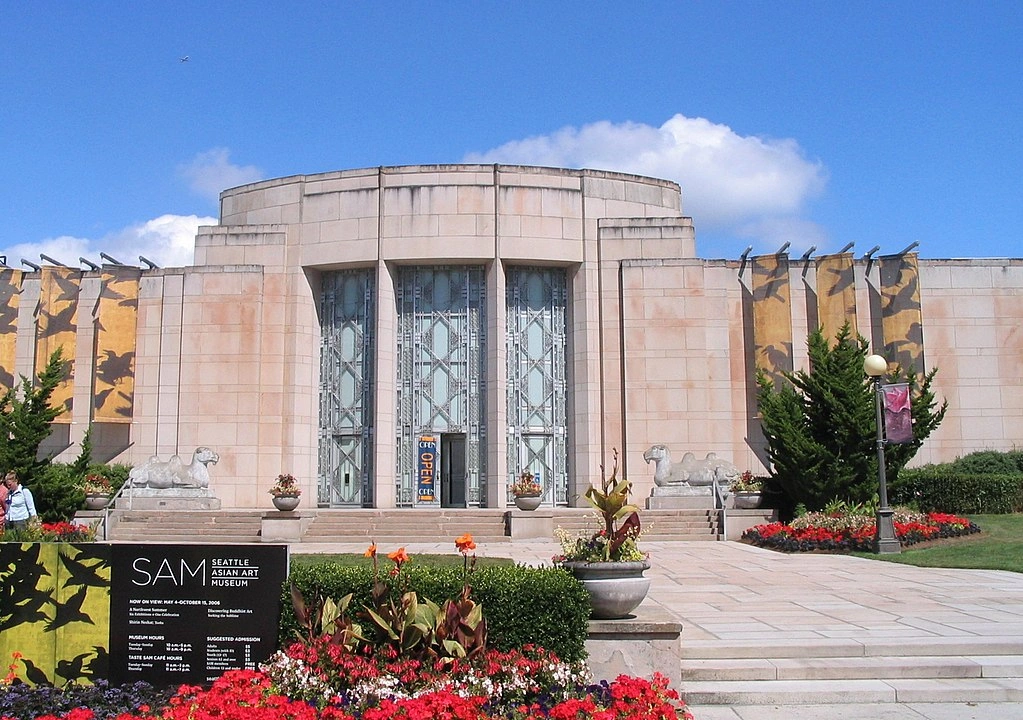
(726,591)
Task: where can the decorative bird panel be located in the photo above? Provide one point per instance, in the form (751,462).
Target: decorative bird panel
(836,293)
(10,293)
(772,315)
(901,319)
(116,321)
(57,327)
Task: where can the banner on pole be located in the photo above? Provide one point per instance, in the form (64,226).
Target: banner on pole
(898,415)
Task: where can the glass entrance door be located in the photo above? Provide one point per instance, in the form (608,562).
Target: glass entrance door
(452,470)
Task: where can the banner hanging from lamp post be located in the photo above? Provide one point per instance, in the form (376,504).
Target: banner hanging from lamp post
(898,416)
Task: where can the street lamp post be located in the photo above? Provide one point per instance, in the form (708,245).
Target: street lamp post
(885,541)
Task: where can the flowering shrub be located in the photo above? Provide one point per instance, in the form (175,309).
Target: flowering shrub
(846,533)
(746,482)
(285,485)
(49,532)
(96,484)
(526,485)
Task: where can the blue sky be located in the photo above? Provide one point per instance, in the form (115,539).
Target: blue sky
(817,123)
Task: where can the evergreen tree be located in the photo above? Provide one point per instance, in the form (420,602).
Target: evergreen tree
(25,419)
(820,425)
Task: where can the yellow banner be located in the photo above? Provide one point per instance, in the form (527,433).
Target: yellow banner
(836,294)
(116,319)
(10,294)
(772,315)
(57,327)
(901,319)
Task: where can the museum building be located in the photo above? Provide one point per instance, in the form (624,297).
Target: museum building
(418,336)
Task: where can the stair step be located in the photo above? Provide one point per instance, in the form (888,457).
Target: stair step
(841,668)
(832,648)
(826,692)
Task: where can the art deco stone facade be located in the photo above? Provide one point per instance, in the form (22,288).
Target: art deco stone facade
(660,345)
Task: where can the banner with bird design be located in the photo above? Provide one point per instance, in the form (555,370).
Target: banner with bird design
(10,294)
(57,327)
(772,315)
(836,293)
(116,320)
(55,611)
(901,319)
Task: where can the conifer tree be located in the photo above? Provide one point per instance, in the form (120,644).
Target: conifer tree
(820,425)
(25,419)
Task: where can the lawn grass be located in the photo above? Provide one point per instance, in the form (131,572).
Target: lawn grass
(998,546)
(417,560)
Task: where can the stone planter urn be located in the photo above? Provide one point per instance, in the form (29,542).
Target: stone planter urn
(527,502)
(746,500)
(615,588)
(96,502)
(286,502)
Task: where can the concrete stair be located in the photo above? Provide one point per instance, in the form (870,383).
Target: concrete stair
(222,526)
(406,525)
(658,525)
(395,525)
(946,670)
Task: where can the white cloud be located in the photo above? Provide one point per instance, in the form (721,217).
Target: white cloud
(211,172)
(730,182)
(169,241)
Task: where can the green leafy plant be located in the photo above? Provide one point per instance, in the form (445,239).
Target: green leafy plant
(321,617)
(542,606)
(619,519)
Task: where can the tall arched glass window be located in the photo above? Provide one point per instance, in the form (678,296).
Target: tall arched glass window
(346,388)
(537,387)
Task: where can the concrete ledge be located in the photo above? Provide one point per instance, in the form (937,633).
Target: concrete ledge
(284,526)
(180,499)
(529,524)
(648,642)
(739,521)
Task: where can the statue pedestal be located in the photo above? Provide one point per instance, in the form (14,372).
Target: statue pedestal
(681,497)
(183,499)
(530,524)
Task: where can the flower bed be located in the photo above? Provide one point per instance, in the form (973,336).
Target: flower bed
(257,695)
(847,533)
(49,532)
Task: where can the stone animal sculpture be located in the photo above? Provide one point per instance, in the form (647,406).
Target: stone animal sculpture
(174,473)
(689,470)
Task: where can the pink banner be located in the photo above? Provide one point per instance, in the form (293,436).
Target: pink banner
(898,415)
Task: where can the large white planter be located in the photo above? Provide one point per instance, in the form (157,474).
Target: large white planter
(615,588)
(286,502)
(96,502)
(528,502)
(746,500)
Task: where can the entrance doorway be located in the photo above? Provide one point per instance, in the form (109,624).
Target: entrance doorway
(452,470)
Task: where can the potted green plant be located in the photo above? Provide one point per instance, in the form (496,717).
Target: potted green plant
(286,492)
(98,491)
(746,491)
(527,491)
(609,562)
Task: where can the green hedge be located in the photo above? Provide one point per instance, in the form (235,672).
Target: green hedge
(989,462)
(944,488)
(522,605)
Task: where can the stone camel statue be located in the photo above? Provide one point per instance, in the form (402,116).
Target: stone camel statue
(174,473)
(689,470)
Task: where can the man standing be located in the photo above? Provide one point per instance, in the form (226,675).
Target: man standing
(21,506)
